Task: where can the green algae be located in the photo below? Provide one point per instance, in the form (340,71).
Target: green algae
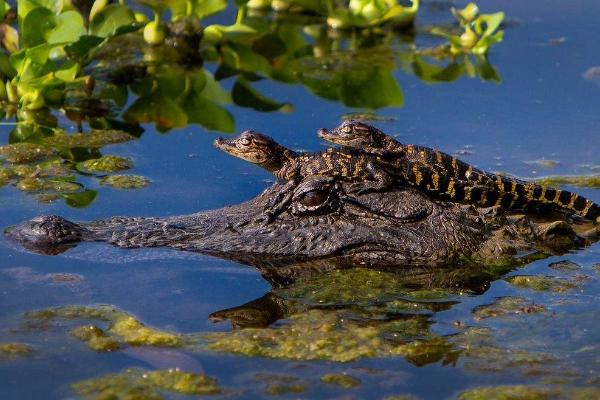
(13,350)
(327,335)
(277,384)
(358,286)
(505,306)
(526,392)
(22,153)
(123,329)
(479,352)
(584,181)
(136,383)
(341,380)
(34,184)
(565,266)
(95,338)
(543,283)
(5,175)
(125,181)
(107,163)
(95,138)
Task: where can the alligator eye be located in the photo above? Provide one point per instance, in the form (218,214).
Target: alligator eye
(313,198)
(244,141)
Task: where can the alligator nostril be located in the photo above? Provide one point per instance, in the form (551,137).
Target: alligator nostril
(218,142)
(322,132)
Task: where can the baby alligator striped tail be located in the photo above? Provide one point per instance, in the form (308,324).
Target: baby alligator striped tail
(507,192)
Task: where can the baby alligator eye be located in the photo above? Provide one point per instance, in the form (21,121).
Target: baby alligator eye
(244,141)
(313,198)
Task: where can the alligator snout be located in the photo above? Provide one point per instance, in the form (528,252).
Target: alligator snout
(46,231)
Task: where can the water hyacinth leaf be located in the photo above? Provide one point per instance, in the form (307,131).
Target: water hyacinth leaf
(485,70)
(170,81)
(108,21)
(371,89)
(243,58)
(432,73)
(35,25)
(203,8)
(68,27)
(67,71)
(80,199)
(25,6)
(207,113)
(83,47)
(161,110)
(5,66)
(212,89)
(245,95)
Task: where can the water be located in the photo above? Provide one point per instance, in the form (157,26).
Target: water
(542,109)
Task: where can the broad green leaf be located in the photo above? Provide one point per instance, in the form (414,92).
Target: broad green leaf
(26,6)
(80,199)
(82,48)
(432,73)
(161,110)
(370,88)
(69,27)
(170,80)
(213,90)
(5,67)
(241,57)
(245,95)
(207,113)
(110,19)
(67,71)
(203,8)
(35,25)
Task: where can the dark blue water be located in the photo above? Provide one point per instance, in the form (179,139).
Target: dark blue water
(542,109)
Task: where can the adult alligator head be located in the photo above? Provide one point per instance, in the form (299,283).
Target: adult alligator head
(399,228)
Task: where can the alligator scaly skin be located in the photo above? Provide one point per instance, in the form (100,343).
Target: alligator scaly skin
(444,175)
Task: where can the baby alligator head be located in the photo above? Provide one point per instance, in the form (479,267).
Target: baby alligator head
(256,148)
(355,134)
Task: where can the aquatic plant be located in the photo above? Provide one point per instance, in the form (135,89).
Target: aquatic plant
(109,68)
(135,383)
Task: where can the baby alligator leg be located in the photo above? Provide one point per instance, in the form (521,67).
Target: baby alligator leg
(380,180)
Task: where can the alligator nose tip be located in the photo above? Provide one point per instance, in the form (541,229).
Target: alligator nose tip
(321,132)
(218,141)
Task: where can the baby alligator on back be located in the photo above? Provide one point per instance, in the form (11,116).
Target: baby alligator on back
(425,168)
(287,165)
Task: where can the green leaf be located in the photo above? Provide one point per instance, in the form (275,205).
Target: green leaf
(24,7)
(213,90)
(374,88)
(207,113)
(246,96)
(161,110)
(82,48)
(69,26)
(35,25)
(80,199)
(67,71)
(108,21)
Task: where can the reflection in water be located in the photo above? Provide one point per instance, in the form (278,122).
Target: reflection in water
(126,81)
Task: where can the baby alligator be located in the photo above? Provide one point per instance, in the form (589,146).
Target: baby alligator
(476,187)
(287,165)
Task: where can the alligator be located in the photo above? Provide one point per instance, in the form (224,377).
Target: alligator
(287,165)
(325,227)
(477,187)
